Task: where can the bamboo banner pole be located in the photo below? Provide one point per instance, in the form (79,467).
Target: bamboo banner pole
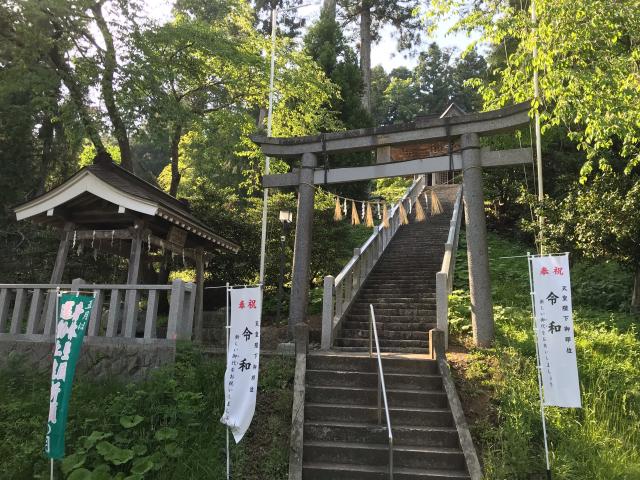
(538,367)
(227,329)
(536,98)
(265,200)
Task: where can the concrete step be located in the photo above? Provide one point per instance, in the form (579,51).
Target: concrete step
(431,429)
(389,267)
(377,454)
(359,315)
(384,309)
(398,398)
(334,471)
(384,344)
(404,324)
(394,302)
(363,363)
(389,287)
(423,350)
(419,335)
(400,301)
(411,417)
(341,378)
(408,279)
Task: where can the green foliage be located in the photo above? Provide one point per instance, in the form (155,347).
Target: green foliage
(162,428)
(326,44)
(439,78)
(587,57)
(599,219)
(601,440)
(391,189)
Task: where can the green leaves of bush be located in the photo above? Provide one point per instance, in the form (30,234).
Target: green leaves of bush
(166,433)
(130,421)
(124,452)
(113,454)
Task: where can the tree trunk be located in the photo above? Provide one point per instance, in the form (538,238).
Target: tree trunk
(365,53)
(175,155)
(635,298)
(330,7)
(45,134)
(77,96)
(109,68)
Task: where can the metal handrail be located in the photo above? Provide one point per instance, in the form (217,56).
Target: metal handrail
(382,390)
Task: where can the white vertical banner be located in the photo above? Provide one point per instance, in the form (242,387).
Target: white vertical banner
(551,290)
(243,360)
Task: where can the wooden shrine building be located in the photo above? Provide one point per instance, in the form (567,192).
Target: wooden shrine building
(102,203)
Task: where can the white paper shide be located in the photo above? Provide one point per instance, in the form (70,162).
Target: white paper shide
(243,357)
(554,330)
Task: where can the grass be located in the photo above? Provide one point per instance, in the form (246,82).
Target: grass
(601,441)
(166,427)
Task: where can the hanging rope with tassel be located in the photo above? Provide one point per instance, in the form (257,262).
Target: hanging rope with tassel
(355,219)
(370,223)
(385,217)
(404,220)
(420,215)
(337,215)
(436,206)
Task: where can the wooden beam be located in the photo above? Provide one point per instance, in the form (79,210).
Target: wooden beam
(399,169)
(63,251)
(485,123)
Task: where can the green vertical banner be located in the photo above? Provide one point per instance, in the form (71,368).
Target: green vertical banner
(73,316)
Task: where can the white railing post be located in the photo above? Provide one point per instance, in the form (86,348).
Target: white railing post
(327,313)
(189,310)
(5,298)
(18,311)
(357,270)
(35,310)
(93,330)
(176,309)
(339,293)
(442,305)
(114,313)
(444,278)
(152,315)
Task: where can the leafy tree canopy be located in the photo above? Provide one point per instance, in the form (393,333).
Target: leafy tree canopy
(588,59)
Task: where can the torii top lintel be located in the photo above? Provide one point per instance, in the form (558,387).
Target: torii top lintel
(485,123)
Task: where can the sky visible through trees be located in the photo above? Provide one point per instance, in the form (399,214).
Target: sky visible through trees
(384,52)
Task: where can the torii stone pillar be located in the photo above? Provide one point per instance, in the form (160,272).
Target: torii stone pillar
(477,250)
(302,248)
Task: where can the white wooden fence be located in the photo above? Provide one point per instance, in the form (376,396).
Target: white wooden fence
(116,312)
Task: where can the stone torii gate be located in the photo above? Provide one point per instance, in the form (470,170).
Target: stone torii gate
(455,127)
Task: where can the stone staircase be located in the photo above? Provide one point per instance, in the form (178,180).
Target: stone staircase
(401,287)
(342,438)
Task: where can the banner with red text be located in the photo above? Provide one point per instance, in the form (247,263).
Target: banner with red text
(243,360)
(551,284)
